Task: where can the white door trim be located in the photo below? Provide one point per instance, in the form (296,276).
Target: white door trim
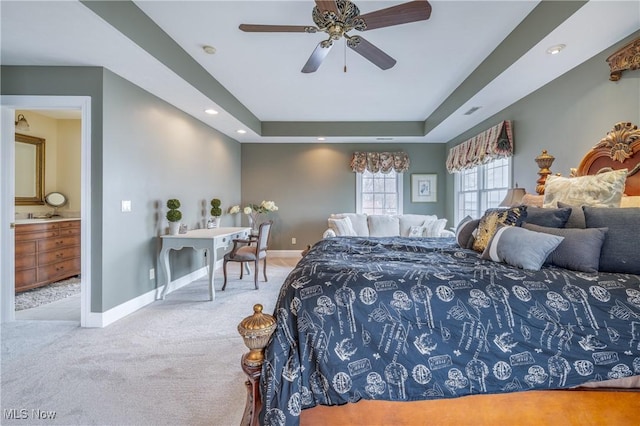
(7,212)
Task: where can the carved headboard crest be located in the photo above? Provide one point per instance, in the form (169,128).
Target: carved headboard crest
(619,141)
(620,149)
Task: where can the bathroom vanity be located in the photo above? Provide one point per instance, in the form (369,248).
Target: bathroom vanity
(46,251)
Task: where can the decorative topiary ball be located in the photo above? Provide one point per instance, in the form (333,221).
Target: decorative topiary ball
(216,211)
(173,203)
(174,215)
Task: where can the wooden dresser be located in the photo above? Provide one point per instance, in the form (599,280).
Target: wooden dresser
(46,252)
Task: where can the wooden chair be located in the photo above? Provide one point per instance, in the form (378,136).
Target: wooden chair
(251,250)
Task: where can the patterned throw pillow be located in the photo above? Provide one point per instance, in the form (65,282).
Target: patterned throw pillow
(601,190)
(494,217)
(416,231)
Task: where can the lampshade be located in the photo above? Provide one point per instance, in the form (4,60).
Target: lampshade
(22,124)
(514,197)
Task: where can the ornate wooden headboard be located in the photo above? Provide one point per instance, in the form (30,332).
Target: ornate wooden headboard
(616,151)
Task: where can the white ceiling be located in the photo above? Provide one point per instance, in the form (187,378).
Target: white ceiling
(262,71)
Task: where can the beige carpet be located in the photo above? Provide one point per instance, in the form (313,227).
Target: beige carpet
(175,362)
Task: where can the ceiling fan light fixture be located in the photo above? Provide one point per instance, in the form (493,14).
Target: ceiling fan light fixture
(554,50)
(22,124)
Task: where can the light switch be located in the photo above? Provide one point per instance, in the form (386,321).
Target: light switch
(126,206)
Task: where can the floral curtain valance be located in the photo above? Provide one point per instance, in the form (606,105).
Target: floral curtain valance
(380,162)
(497,142)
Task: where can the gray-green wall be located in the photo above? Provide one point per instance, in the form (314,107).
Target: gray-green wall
(566,117)
(146,151)
(308,182)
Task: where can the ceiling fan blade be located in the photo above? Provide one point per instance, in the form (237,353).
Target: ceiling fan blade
(395,15)
(316,58)
(327,5)
(257,28)
(371,52)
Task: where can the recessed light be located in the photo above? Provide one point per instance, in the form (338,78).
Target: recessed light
(211,111)
(209,49)
(321,139)
(554,50)
(241,131)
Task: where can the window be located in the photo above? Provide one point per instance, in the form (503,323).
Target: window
(379,193)
(481,188)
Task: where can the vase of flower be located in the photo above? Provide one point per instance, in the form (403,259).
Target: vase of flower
(216,212)
(254,213)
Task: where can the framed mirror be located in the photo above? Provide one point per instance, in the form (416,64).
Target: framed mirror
(29,171)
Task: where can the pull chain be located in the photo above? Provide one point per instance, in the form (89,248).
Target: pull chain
(345,55)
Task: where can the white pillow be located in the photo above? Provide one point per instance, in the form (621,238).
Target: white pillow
(601,190)
(409,220)
(434,228)
(358,222)
(342,227)
(383,226)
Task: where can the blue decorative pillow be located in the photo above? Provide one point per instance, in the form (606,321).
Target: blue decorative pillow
(553,218)
(520,247)
(580,249)
(464,232)
(620,248)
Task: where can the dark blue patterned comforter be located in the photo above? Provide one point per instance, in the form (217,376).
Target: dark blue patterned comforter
(411,319)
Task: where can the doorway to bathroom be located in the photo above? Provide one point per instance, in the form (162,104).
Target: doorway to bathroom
(65,122)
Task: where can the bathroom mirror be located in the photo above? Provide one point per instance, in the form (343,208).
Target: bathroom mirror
(29,165)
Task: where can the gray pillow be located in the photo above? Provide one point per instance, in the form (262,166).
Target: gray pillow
(620,248)
(580,249)
(464,232)
(553,218)
(576,218)
(520,247)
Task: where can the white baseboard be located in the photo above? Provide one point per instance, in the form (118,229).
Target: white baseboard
(97,319)
(284,253)
(103,319)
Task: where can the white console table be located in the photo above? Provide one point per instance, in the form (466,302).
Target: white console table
(199,239)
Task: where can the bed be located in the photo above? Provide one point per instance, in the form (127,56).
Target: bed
(431,319)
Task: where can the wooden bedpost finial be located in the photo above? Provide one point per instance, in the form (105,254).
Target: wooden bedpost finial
(256,331)
(544,161)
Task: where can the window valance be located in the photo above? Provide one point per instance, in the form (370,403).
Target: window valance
(380,162)
(494,143)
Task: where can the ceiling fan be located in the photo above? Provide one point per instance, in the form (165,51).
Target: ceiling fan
(338,17)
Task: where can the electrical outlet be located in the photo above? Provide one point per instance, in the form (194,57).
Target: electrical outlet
(152,273)
(293,241)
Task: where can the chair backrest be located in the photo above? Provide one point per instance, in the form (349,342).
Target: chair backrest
(263,235)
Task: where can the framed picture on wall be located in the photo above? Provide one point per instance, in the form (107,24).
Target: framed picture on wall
(424,188)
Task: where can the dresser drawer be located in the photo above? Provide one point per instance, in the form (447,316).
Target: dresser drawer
(59,270)
(25,279)
(60,242)
(25,262)
(51,232)
(65,232)
(36,227)
(69,224)
(25,248)
(44,258)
